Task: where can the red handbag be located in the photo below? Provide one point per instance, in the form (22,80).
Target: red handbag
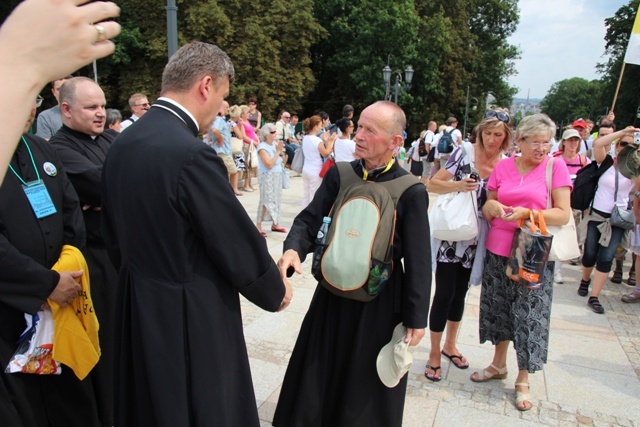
(326,166)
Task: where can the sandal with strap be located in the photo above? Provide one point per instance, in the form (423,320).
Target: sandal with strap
(456,357)
(595,305)
(583,290)
(632,278)
(522,397)
(488,375)
(435,370)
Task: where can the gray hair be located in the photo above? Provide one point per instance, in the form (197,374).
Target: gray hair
(537,124)
(113,116)
(192,62)
(266,129)
(133,99)
(68,89)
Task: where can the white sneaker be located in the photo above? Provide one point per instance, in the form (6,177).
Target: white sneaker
(557,276)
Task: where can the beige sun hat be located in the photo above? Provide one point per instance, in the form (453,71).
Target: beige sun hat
(395,358)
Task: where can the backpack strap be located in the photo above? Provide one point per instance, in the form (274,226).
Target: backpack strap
(396,187)
(347,175)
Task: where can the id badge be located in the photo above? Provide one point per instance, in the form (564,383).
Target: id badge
(39,198)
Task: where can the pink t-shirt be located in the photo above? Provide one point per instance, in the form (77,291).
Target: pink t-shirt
(249,131)
(515,190)
(574,165)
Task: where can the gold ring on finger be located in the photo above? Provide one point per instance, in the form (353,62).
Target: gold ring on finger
(102,35)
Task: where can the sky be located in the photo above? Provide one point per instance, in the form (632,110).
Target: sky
(559,39)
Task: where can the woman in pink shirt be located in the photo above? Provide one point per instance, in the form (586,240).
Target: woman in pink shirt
(250,139)
(508,310)
(568,152)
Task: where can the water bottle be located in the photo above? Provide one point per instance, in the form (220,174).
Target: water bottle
(321,242)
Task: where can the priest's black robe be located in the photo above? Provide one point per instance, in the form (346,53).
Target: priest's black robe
(83,157)
(29,247)
(331,379)
(186,248)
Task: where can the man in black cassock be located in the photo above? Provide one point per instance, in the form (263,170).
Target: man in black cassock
(331,379)
(82,146)
(186,248)
(29,247)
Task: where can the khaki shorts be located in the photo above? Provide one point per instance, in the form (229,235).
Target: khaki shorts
(229,163)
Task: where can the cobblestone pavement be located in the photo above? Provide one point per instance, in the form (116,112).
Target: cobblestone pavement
(592,377)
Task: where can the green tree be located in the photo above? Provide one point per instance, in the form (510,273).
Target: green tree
(269,43)
(572,98)
(617,38)
(477,54)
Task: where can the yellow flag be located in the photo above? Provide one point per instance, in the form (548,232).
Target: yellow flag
(633,49)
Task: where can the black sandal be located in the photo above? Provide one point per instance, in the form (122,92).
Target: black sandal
(595,305)
(435,370)
(583,290)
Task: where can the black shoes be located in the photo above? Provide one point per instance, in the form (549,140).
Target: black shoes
(595,305)
(583,290)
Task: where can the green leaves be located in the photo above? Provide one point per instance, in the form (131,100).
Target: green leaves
(570,99)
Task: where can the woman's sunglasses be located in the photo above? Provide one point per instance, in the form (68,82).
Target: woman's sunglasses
(503,117)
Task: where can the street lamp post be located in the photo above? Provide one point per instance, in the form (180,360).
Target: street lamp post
(387,73)
(172,27)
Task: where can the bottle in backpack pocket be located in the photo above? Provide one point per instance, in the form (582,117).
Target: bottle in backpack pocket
(321,242)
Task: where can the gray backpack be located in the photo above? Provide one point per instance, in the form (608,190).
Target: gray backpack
(358,259)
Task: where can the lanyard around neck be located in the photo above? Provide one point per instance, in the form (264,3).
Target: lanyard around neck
(34,168)
(366,172)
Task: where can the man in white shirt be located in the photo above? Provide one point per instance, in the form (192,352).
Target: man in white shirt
(429,138)
(139,105)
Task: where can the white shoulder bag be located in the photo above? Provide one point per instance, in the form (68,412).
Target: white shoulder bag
(564,245)
(454,217)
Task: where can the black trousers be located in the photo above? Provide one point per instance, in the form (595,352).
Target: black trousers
(452,284)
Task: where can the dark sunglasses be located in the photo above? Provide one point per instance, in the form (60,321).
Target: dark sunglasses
(503,117)
(623,143)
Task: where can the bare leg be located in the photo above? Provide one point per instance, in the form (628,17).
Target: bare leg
(233,180)
(450,342)
(434,355)
(599,279)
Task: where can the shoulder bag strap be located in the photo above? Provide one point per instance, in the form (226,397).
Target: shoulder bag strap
(549,181)
(615,192)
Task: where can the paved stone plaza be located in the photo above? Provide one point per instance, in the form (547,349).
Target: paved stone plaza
(592,377)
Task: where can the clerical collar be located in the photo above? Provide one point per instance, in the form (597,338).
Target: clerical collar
(375,173)
(172,102)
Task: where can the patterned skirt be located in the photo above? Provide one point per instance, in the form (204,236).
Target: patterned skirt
(270,196)
(512,312)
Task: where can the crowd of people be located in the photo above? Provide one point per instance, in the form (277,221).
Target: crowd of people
(146,204)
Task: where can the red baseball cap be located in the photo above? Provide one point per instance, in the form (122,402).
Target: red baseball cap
(580,123)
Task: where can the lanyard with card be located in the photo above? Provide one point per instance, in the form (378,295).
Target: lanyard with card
(36,191)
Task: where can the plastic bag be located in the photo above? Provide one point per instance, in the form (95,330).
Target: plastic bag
(34,354)
(529,253)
